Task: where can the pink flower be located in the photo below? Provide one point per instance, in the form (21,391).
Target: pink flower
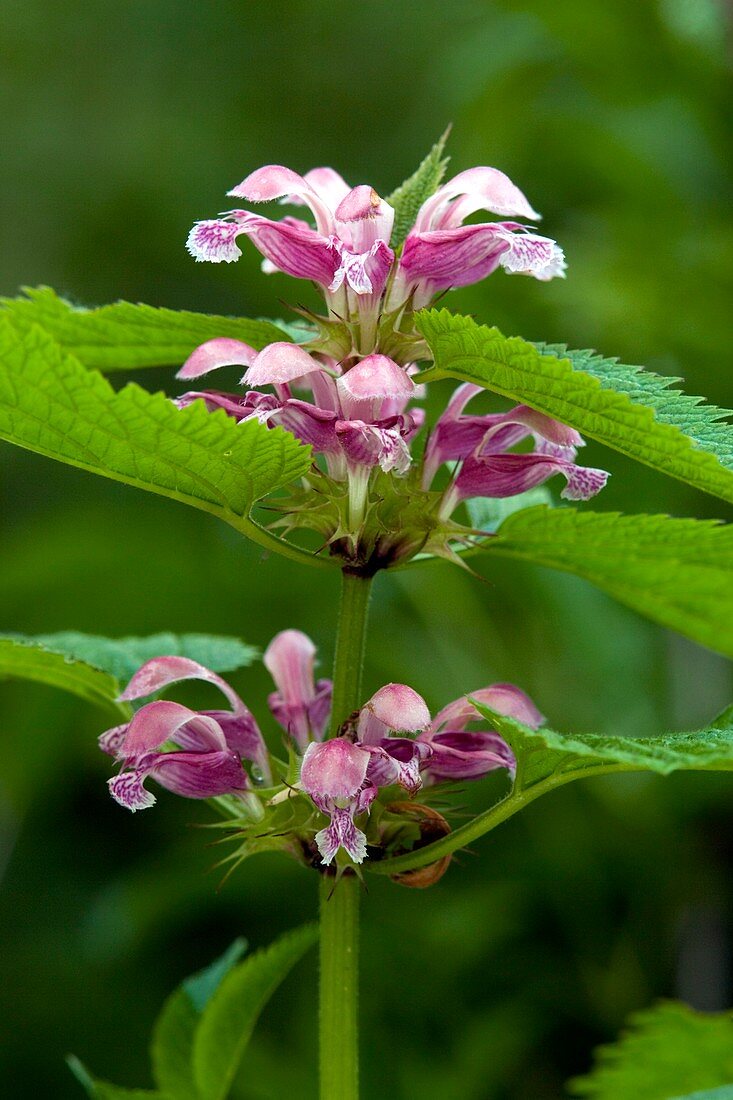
(349,247)
(334,775)
(441,252)
(480,444)
(301,706)
(460,753)
(210,745)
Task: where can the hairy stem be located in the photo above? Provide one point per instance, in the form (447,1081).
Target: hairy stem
(339,988)
(339,951)
(350,644)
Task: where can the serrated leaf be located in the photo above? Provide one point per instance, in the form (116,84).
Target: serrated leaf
(121,657)
(668,1051)
(103,1090)
(25,659)
(174,1032)
(232,1012)
(544,753)
(632,410)
(410,195)
(125,336)
(51,404)
(678,572)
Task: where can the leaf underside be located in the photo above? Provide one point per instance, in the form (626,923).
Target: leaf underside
(677,572)
(26,660)
(627,408)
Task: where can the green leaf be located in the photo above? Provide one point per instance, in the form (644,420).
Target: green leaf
(175,1029)
(544,754)
(103,1090)
(410,195)
(625,407)
(123,336)
(232,1012)
(678,572)
(668,1051)
(121,657)
(51,404)
(488,513)
(26,659)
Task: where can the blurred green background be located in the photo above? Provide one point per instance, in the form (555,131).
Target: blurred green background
(122,124)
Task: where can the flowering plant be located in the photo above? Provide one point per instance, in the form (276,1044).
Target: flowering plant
(326,455)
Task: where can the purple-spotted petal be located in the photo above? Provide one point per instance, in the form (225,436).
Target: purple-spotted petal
(368,445)
(341,833)
(111,741)
(214,241)
(220,352)
(530,254)
(127,789)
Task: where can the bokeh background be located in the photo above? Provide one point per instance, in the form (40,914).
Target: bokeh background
(123,123)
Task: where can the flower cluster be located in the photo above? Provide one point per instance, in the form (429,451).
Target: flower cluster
(347,252)
(360,419)
(391,743)
(350,393)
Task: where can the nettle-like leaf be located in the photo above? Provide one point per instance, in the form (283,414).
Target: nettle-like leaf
(544,754)
(51,404)
(26,659)
(547,759)
(121,657)
(678,572)
(669,1051)
(231,1014)
(632,410)
(125,336)
(410,195)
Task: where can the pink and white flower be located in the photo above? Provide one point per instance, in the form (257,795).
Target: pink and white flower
(197,754)
(300,705)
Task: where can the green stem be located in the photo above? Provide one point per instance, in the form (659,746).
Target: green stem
(350,645)
(488,820)
(339,987)
(339,951)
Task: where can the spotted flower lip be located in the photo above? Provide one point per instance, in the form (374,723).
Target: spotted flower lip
(204,764)
(348,248)
(334,775)
(348,253)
